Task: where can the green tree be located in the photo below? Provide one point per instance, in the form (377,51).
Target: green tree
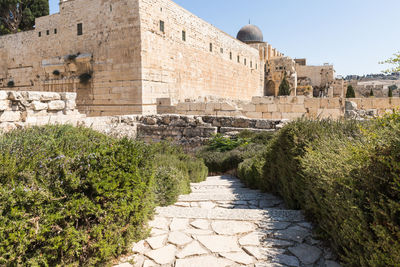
(395,60)
(19,15)
(350,92)
(371,93)
(390,94)
(284,87)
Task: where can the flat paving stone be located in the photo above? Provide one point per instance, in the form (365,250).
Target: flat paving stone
(163,255)
(252,239)
(239,257)
(198,232)
(255,252)
(277,243)
(192,249)
(156,232)
(157,241)
(232,227)
(178,224)
(159,223)
(286,259)
(140,247)
(218,244)
(294,233)
(305,253)
(206,261)
(200,224)
(179,239)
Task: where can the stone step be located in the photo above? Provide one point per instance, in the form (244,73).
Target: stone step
(221,191)
(265,215)
(214,187)
(194,197)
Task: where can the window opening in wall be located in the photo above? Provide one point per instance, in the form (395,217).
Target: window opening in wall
(110,8)
(183,36)
(256,66)
(79,29)
(245,61)
(47,32)
(161,9)
(230,55)
(55,31)
(251,64)
(211,47)
(40,34)
(162,26)
(221,50)
(238,59)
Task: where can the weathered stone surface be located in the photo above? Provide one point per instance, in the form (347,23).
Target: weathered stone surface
(286,259)
(207,205)
(179,238)
(37,105)
(294,233)
(140,247)
(157,241)
(149,263)
(255,252)
(159,223)
(125,264)
(5,105)
(239,257)
(232,227)
(156,232)
(10,116)
(179,224)
(15,96)
(68,96)
(332,264)
(195,232)
(7,127)
(56,105)
(252,239)
(277,243)
(192,249)
(163,255)
(305,253)
(3,95)
(200,224)
(219,243)
(274,225)
(33,96)
(208,260)
(182,204)
(49,96)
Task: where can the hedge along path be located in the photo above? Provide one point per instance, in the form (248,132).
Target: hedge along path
(221,223)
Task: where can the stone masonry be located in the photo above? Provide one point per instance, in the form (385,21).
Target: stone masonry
(221,223)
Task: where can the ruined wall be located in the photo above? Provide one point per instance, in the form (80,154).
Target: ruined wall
(319,75)
(178,69)
(108,50)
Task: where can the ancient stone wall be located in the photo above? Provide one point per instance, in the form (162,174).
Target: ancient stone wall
(53,56)
(206,62)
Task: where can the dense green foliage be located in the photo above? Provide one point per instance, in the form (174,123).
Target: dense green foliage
(345,176)
(284,87)
(19,15)
(71,196)
(350,92)
(395,61)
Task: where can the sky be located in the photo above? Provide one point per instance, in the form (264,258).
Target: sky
(353,35)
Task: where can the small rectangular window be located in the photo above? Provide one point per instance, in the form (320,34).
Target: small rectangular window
(230,55)
(55,31)
(256,66)
(47,32)
(238,58)
(162,26)
(251,64)
(80,29)
(245,61)
(40,34)
(222,50)
(211,48)
(183,36)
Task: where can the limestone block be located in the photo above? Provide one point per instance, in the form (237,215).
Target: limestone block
(262,108)
(264,124)
(70,104)
(350,105)
(197,106)
(37,105)
(254,115)
(5,105)
(228,107)
(56,105)
(285,99)
(267,100)
(49,96)
(10,116)
(267,115)
(249,108)
(68,96)
(3,95)
(6,127)
(16,96)
(276,115)
(256,100)
(33,96)
(285,108)
(313,103)
(272,108)
(183,107)
(298,109)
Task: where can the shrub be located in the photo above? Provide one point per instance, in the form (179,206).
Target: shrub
(250,171)
(350,92)
(10,84)
(72,196)
(284,87)
(84,78)
(221,143)
(345,176)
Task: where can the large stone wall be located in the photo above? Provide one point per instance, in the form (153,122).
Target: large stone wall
(108,49)
(186,69)
(285,107)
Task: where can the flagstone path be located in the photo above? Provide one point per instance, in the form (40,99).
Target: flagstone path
(221,223)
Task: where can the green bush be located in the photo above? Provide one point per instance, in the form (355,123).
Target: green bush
(221,143)
(72,196)
(250,171)
(345,176)
(350,92)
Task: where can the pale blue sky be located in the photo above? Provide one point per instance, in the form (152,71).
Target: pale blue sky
(354,35)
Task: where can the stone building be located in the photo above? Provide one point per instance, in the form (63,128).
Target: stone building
(128,56)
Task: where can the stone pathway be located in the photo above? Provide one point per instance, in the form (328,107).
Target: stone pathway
(221,223)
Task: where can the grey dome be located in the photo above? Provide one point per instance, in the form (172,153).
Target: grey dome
(250,33)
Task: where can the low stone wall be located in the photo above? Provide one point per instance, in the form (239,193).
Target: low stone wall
(285,107)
